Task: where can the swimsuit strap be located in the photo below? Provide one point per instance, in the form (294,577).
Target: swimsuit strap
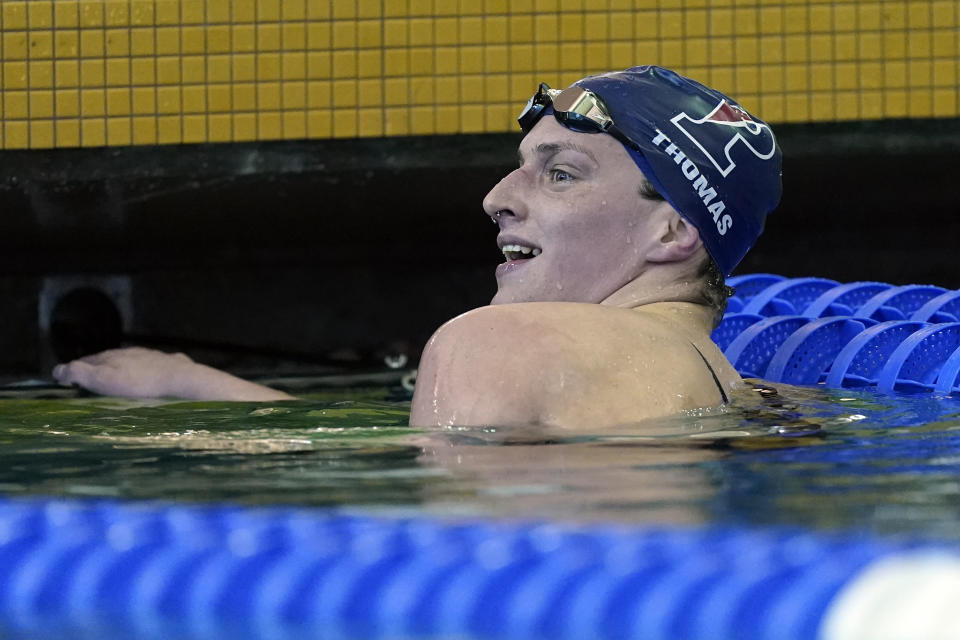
(723,394)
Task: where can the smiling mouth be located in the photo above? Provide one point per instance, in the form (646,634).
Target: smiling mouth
(519,252)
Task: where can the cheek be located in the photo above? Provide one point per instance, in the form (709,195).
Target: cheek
(602,241)
(577,234)
(609,228)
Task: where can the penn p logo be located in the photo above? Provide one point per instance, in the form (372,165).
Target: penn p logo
(723,133)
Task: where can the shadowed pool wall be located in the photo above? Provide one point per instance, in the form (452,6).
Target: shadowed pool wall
(289,178)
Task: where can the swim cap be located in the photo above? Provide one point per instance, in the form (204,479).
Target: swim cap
(715,163)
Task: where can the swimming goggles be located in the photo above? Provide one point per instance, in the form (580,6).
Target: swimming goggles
(576,108)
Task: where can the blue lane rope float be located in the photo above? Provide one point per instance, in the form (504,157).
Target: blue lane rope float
(808,352)
(96,569)
(732,326)
(844,300)
(858,334)
(949,377)
(860,361)
(916,362)
(788,297)
(750,351)
(943,308)
(750,284)
(898,303)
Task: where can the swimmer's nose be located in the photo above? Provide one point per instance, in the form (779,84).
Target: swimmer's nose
(505,201)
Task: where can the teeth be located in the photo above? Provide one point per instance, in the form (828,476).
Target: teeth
(515,251)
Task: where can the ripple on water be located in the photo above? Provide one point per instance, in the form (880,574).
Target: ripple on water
(792,456)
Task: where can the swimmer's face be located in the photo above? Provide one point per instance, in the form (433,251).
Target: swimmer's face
(574,204)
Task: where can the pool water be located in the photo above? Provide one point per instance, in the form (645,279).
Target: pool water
(807,457)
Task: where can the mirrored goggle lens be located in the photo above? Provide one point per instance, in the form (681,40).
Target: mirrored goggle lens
(581,110)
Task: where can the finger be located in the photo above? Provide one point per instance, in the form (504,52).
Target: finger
(64,373)
(76,372)
(59,373)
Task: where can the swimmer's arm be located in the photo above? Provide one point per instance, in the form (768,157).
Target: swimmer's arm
(145,373)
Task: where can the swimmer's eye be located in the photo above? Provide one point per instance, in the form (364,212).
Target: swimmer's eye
(559,175)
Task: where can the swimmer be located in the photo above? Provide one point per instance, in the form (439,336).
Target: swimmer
(637,192)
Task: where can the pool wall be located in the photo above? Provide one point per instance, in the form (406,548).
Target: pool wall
(323,245)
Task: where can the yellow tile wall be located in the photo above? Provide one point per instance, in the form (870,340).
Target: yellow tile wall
(119,72)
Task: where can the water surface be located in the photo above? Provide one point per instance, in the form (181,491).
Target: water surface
(801,457)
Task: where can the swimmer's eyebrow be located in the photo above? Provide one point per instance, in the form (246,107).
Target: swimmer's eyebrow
(548,149)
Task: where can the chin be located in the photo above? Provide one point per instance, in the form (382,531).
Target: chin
(506,296)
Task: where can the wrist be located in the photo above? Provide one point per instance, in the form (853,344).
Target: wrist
(201,382)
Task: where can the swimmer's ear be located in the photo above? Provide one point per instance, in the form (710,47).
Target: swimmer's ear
(678,239)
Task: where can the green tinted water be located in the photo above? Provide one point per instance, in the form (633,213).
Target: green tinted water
(805,457)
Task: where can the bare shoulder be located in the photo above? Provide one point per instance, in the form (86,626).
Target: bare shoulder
(488,367)
(565,364)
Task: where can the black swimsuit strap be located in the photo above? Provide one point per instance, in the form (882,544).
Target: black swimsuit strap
(723,394)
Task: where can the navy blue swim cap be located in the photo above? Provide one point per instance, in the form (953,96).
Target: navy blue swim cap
(717,165)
